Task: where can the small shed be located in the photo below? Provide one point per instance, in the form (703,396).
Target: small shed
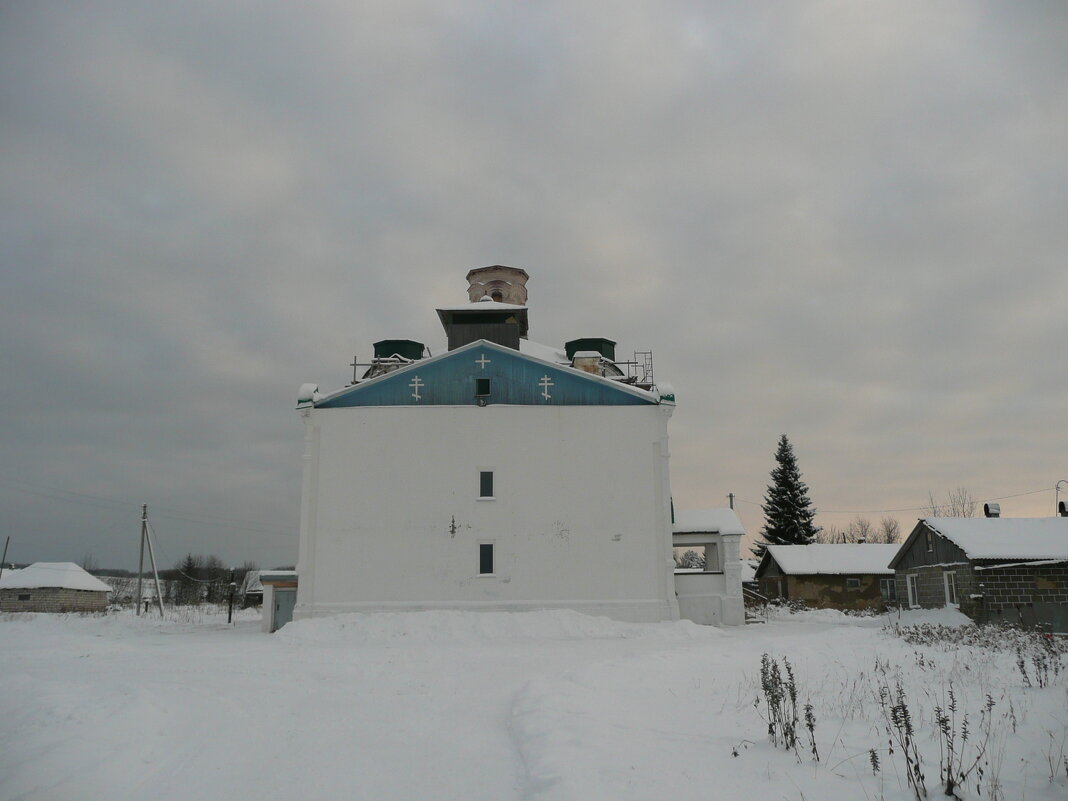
(993,568)
(708,571)
(52,587)
(279,597)
(824,576)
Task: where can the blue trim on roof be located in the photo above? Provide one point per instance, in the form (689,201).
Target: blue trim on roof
(514,379)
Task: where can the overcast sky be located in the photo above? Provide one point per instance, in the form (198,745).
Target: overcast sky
(842,221)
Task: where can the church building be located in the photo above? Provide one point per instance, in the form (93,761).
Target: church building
(498,475)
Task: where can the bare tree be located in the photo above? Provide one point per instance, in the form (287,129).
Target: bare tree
(88,563)
(958,503)
(888,532)
(831,534)
(860,530)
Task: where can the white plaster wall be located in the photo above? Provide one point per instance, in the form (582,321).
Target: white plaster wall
(267,621)
(701,597)
(391,517)
(712,599)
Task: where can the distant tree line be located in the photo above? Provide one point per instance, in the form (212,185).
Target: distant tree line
(194,579)
(861,529)
(203,579)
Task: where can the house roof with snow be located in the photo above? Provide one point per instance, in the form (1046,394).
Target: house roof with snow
(824,559)
(60,575)
(1021,538)
(251,583)
(701,521)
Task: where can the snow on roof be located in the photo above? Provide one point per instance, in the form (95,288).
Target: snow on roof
(547,353)
(481,306)
(841,559)
(1005,537)
(690,521)
(65,575)
(251,582)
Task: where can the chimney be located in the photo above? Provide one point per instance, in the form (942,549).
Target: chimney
(1062,508)
(992,509)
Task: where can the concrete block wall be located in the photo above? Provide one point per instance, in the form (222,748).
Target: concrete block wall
(1011,586)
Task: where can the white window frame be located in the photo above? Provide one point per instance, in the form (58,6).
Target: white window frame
(913,591)
(949,581)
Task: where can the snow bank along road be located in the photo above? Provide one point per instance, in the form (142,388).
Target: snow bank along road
(448,705)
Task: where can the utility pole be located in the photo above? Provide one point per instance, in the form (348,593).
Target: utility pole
(4,557)
(146,537)
(1056,500)
(141,555)
(152,558)
(730,495)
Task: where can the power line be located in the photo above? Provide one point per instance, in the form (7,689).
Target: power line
(160,546)
(234,524)
(903,509)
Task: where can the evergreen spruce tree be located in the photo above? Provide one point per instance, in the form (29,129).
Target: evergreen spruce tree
(788,512)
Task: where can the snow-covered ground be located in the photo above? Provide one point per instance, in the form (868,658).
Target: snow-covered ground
(449,705)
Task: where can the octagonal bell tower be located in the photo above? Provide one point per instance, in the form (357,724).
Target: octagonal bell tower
(499,283)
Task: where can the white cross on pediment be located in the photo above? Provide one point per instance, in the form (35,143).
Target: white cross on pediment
(482,361)
(415,385)
(545,383)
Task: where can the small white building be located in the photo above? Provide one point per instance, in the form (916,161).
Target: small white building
(708,566)
(498,475)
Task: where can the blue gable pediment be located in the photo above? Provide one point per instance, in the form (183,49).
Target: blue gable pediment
(513,378)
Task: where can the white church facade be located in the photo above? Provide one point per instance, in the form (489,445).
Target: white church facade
(499,475)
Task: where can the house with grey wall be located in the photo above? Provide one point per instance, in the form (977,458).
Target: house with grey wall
(993,569)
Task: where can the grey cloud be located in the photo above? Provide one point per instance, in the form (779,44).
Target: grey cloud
(839,221)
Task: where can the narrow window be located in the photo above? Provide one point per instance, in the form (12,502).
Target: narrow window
(914,595)
(930,542)
(852,584)
(482,387)
(951,588)
(485,484)
(485,558)
(25,596)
